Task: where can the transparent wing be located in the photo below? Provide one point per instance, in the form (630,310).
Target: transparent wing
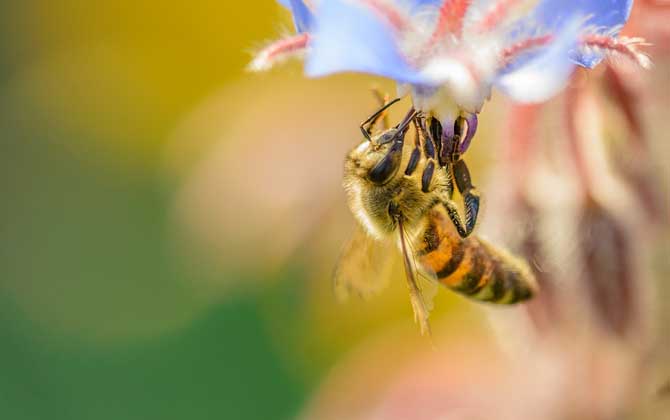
(364,266)
(422,287)
(428,286)
(425,277)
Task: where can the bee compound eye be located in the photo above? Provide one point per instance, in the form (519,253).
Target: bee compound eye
(387,167)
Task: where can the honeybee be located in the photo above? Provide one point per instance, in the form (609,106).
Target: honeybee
(403,197)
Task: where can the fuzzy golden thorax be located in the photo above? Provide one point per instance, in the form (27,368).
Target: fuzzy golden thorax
(378,203)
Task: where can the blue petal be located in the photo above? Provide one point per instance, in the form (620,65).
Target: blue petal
(546,73)
(600,14)
(348,37)
(555,14)
(302,16)
(419,3)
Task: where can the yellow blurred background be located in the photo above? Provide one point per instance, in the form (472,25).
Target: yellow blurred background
(170,222)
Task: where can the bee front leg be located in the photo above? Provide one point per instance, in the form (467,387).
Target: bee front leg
(469,193)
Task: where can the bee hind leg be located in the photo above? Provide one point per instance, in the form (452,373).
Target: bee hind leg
(470,200)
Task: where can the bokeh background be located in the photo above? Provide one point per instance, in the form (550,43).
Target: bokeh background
(169,222)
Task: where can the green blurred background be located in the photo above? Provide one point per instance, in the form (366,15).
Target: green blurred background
(112,306)
(98,318)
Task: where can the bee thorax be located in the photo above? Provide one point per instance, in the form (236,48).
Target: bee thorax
(377,208)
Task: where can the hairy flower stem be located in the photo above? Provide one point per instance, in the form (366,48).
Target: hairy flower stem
(521,145)
(626,98)
(519,150)
(577,116)
(636,147)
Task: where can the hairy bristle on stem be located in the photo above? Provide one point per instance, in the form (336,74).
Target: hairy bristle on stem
(623,46)
(278,51)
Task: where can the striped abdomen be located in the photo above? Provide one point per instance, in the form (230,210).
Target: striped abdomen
(472,266)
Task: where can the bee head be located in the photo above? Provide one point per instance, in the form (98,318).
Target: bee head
(378,158)
(386,153)
(388,144)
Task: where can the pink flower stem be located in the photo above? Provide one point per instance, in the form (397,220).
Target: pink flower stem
(574,102)
(627,100)
(520,146)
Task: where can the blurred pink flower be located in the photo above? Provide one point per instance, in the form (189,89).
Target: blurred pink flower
(577,191)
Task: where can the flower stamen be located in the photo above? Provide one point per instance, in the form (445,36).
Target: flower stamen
(623,46)
(279,51)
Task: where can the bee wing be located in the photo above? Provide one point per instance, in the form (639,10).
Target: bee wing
(428,286)
(422,287)
(364,266)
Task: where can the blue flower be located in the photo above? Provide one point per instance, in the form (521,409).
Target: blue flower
(449,54)
(302,16)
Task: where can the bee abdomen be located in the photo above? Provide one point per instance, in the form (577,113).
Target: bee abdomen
(477,269)
(507,284)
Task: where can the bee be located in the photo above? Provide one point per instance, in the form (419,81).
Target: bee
(403,197)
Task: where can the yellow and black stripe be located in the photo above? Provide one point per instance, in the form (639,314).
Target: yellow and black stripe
(472,266)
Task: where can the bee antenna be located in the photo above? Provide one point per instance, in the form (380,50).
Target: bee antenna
(366,130)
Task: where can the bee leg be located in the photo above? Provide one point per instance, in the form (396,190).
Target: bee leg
(416,152)
(469,193)
(367,125)
(427,176)
(452,211)
(429,144)
(449,188)
(445,140)
(428,150)
(445,145)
